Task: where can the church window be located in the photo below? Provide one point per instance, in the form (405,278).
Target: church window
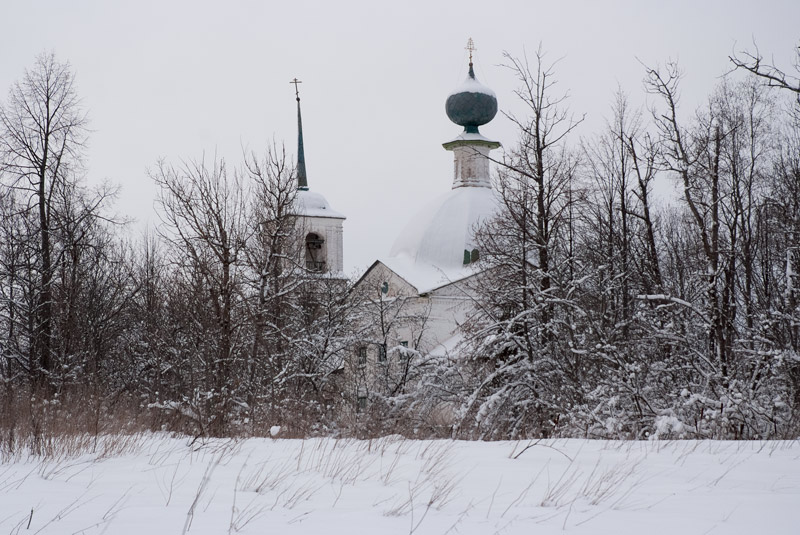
(362,403)
(471,256)
(315,252)
(381,352)
(362,356)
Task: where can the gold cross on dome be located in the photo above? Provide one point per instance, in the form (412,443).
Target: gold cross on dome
(471,47)
(296,88)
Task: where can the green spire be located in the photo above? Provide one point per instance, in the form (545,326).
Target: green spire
(302,179)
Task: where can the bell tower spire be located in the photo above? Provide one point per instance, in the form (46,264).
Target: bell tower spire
(302,179)
(318,226)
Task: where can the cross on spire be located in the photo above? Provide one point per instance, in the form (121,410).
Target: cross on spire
(297,89)
(471,47)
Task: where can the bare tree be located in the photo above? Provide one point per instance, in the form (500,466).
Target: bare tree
(520,375)
(205,216)
(273,275)
(617,245)
(539,165)
(754,63)
(301,322)
(17,280)
(42,135)
(694,156)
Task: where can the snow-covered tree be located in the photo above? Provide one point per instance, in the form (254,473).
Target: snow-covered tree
(524,372)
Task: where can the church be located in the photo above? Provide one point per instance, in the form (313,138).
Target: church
(418,294)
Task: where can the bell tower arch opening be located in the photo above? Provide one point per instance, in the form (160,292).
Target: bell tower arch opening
(316,253)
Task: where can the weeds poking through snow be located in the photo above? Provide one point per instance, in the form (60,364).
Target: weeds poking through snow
(601,485)
(494,494)
(538,442)
(201,489)
(255,486)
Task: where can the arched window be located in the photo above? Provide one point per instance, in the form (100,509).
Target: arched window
(315,252)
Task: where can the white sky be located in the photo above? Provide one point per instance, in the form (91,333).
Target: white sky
(177,79)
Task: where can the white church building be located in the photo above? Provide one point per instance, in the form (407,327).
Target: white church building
(436,252)
(417,293)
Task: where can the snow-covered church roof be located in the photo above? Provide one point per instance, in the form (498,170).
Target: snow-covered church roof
(312,204)
(431,248)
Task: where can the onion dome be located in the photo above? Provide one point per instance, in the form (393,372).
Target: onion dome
(439,243)
(472,104)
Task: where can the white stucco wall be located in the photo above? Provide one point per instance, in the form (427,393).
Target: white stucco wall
(440,312)
(471,166)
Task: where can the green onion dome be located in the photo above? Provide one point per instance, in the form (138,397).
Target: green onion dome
(472,104)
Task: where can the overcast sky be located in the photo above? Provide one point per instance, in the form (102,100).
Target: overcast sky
(176,79)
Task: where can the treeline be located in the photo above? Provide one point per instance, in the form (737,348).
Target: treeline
(600,312)
(213,326)
(606,313)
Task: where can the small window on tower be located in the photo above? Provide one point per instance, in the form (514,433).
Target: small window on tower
(362,356)
(381,352)
(315,252)
(474,256)
(467,257)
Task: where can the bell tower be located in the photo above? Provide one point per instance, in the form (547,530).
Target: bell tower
(318,225)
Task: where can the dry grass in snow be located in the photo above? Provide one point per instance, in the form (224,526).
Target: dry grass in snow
(161,485)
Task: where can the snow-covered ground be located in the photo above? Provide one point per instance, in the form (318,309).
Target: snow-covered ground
(159,485)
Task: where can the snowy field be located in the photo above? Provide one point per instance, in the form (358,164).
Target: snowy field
(159,485)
